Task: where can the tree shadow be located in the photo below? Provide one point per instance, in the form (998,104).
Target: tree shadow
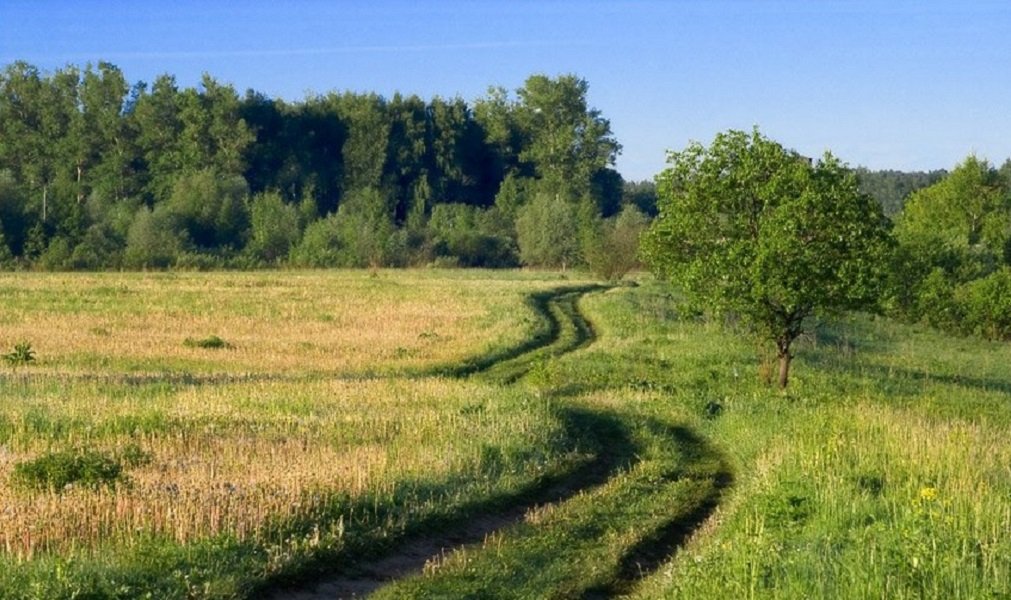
(703,464)
(509,364)
(362,567)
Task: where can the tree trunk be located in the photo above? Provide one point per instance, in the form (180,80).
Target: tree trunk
(784,368)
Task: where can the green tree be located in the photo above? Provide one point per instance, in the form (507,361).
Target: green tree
(366,231)
(547,230)
(320,244)
(156,119)
(613,248)
(275,228)
(210,209)
(959,229)
(473,236)
(569,143)
(752,229)
(151,240)
(985,305)
(365,149)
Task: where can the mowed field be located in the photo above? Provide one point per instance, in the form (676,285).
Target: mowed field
(246,435)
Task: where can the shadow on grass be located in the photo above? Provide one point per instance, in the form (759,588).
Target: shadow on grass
(557,335)
(703,464)
(368,562)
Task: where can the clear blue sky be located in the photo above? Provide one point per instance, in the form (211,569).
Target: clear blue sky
(885,84)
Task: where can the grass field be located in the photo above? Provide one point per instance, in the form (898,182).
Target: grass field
(344,415)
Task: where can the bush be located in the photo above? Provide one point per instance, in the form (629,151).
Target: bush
(56,256)
(57,470)
(151,240)
(547,232)
(985,306)
(613,250)
(210,208)
(320,245)
(275,227)
(99,248)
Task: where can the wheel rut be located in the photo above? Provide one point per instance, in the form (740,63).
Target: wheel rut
(564,328)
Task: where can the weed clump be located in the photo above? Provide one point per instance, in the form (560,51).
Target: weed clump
(57,471)
(212,342)
(22,354)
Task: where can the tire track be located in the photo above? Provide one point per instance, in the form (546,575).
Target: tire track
(564,329)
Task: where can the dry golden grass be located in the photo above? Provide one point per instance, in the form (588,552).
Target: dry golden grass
(275,322)
(275,436)
(229,458)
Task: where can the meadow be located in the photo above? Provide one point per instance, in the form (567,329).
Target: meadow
(245,435)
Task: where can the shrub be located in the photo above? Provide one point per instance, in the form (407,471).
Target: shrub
(275,227)
(547,232)
(613,250)
(320,245)
(986,305)
(151,240)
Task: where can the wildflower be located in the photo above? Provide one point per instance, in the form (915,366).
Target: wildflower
(928,494)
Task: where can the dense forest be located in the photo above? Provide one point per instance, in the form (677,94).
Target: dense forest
(891,188)
(98,173)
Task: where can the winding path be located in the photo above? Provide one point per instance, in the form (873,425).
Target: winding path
(563,329)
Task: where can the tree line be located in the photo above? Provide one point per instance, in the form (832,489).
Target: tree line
(96,173)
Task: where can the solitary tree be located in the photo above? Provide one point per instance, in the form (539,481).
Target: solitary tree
(752,229)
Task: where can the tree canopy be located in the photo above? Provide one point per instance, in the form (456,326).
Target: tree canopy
(752,229)
(954,251)
(82,152)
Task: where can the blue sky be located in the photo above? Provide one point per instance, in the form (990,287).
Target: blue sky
(885,84)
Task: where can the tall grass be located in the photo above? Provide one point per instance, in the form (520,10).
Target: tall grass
(274,463)
(882,472)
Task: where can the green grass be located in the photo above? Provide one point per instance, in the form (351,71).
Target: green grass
(653,461)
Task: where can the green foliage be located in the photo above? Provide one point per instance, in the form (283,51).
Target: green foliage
(754,230)
(961,223)
(320,244)
(275,227)
(568,142)
(152,240)
(891,188)
(474,237)
(642,194)
(366,232)
(212,342)
(985,306)
(547,232)
(210,209)
(22,354)
(954,239)
(100,247)
(58,470)
(83,152)
(6,256)
(57,256)
(613,249)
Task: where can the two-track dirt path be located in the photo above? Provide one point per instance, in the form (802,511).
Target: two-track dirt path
(564,329)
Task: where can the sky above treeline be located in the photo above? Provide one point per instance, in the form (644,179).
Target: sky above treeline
(908,85)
